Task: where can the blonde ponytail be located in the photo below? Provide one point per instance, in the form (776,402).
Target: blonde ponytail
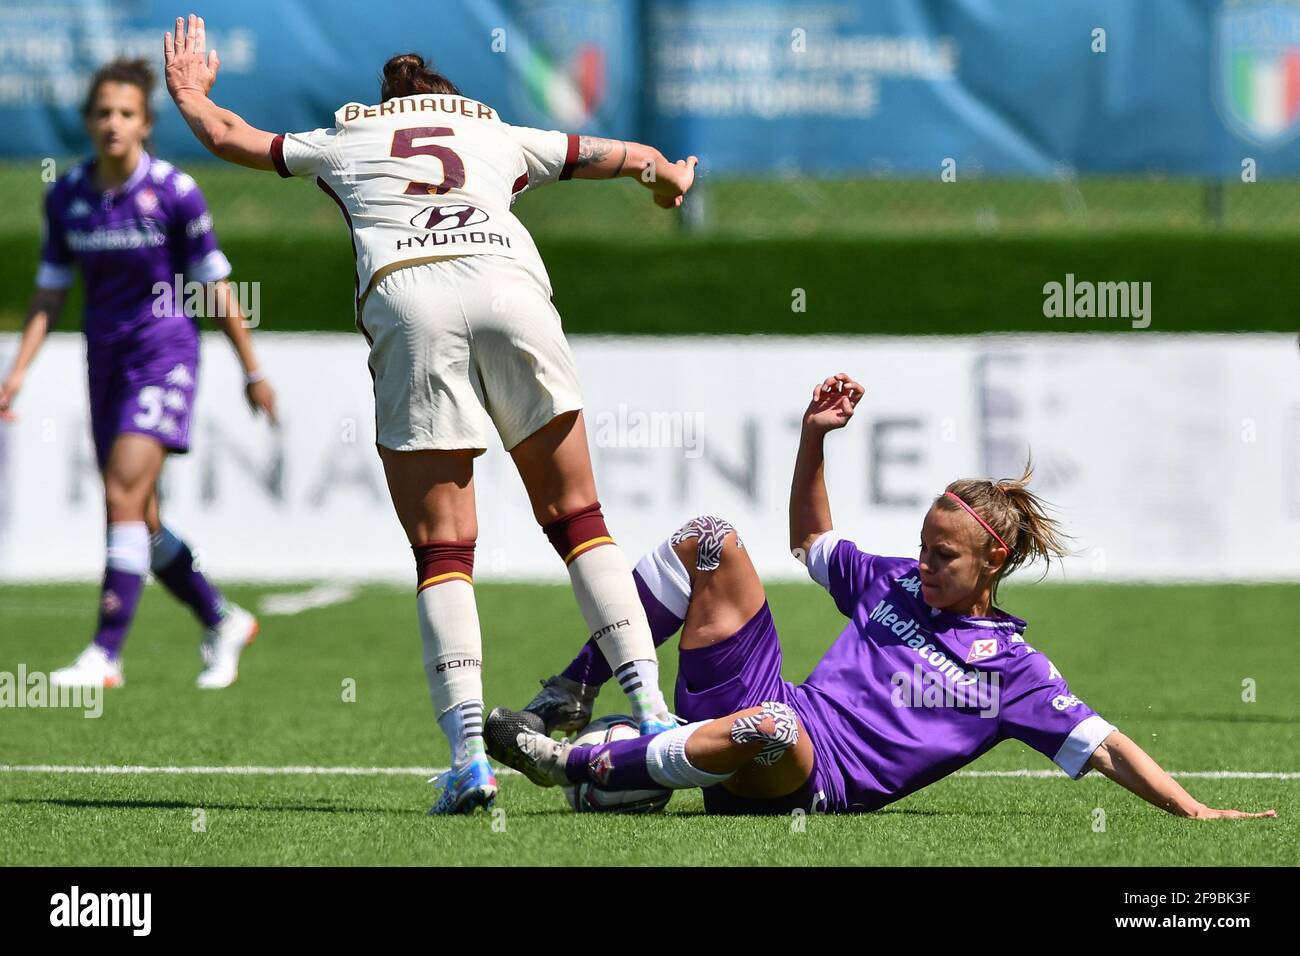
(1016,514)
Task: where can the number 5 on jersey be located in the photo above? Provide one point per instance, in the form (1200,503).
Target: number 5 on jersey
(453,170)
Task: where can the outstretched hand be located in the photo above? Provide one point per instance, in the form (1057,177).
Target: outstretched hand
(680,181)
(833,403)
(190,66)
(1209,813)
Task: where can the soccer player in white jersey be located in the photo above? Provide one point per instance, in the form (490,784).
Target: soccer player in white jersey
(456,305)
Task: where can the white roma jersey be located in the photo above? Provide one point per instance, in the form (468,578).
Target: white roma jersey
(425,177)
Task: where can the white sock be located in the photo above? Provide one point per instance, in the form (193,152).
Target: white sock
(453,660)
(612,609)
(128,547)
(665,761)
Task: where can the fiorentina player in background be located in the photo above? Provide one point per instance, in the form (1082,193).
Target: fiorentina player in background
(928,675)
(130,221)
(456,305)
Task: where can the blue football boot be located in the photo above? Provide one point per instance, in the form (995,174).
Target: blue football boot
(465,790)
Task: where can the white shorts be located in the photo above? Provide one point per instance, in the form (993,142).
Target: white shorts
(458,341)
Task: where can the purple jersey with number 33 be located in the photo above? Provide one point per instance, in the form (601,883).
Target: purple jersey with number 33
(130,243)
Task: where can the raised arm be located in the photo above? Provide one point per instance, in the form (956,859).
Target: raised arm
(190,71)
(832,405)
(600,158)
(42,313)
(1123,761)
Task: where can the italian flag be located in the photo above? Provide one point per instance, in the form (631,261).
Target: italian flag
(1266,90)
(569,95)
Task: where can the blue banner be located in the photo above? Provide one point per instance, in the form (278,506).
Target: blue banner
(901,87)
(1188,87)
(287,65)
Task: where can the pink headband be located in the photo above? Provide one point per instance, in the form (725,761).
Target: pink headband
(987,527)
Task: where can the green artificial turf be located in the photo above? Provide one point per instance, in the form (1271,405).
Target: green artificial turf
(1165,664)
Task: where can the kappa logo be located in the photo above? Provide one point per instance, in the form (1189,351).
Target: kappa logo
(180,377)
(910,584)
(981,648)
(437,218)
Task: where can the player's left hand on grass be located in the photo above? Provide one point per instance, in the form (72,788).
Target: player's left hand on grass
(189,64)
(1209,813)
(261,398)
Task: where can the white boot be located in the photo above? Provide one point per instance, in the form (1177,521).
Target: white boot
(92,668)
(222,646)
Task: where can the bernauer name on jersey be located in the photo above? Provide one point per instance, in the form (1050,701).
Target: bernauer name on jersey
(425,104)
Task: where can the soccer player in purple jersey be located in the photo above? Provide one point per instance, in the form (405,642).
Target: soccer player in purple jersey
(928,675)
(130,222)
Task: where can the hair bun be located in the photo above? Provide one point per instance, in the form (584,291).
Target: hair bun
(407,74)
(404,64)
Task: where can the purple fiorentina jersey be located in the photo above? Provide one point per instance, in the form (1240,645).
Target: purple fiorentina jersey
(908,694)
(152,228)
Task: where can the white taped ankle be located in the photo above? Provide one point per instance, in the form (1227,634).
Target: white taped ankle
(665,761)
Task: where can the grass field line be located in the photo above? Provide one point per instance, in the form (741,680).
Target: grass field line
(295,602)
(255,771)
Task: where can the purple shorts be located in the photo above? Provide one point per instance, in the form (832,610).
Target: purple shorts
(742,671)
(145,391)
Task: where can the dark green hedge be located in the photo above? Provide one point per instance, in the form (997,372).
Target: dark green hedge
(852,285)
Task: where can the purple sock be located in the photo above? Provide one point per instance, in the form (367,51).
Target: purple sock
(620,765)
(173,565)
(118,599)
(590,666)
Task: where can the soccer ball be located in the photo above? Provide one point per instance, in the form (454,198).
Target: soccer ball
(584,798)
